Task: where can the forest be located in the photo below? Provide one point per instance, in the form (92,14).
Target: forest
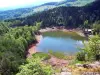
(28,11)
(70,17)
(14,43)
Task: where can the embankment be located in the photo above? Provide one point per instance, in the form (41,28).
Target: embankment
(32,48)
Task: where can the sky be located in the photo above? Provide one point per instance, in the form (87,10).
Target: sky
(7,4)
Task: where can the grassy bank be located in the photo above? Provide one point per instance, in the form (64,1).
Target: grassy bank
(77,31)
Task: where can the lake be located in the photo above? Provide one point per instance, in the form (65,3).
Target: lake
(66,42)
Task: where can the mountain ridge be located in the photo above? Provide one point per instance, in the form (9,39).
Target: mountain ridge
(64,16)
(23,12)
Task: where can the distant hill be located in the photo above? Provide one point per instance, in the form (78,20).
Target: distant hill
(23,12)
(65,16)
(78,3)
(10,14)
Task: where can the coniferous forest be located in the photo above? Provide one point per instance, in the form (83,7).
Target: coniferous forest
(64,16)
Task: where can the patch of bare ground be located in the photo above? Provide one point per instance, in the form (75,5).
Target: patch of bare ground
(32,48)
(54,61)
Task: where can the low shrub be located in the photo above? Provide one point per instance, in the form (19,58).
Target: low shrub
(81,56)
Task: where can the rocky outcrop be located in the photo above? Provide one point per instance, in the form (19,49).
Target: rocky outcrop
(91,65)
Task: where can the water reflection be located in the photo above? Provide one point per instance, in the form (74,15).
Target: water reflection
(60,41)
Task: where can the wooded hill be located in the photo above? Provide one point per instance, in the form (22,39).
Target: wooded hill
(64,16)
(29,10)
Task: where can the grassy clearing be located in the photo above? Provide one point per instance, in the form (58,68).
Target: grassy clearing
(41,55)
(61,55)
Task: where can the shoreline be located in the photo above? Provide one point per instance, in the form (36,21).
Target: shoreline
(32,48)
(77,30)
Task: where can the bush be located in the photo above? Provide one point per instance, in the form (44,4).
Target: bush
(13,45)
(92,50)
(81,56)
(35,67)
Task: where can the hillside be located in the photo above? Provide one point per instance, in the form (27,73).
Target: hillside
(65,16)
(23,12)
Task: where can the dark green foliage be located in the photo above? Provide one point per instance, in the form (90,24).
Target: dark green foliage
(96,27)
(35,66)
(86,25)
(80,56)
(9,63)
(23,12)
(13,47)
(70,17)
(4,27)
(91,50)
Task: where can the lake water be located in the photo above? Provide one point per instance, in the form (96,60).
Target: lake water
(66,42)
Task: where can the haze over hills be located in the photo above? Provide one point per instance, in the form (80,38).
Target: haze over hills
(23,12)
